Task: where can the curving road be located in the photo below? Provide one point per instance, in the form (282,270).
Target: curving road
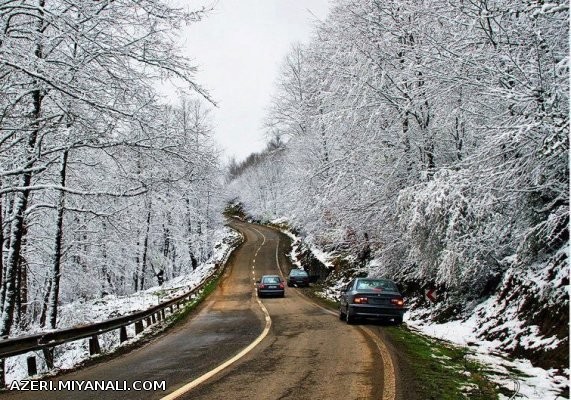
(304,352)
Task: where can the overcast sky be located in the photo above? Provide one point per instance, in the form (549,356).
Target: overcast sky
(239,49)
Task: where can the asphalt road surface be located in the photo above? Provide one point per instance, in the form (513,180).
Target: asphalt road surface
(307,353)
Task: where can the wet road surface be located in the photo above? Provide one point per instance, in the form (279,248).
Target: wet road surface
(307,354)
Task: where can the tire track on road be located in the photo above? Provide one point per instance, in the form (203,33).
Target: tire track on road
(389,377)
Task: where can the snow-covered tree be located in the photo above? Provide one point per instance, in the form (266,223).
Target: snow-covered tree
(434,132)
(94,168)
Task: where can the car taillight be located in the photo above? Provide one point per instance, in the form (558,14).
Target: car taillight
(261,286)
(360,300)
(398,301)
(281,285)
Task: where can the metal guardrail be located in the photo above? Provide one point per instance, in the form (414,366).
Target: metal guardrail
(24,344)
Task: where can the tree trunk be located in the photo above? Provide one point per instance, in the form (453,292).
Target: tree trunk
(13,259)
(56,262)
(137,263)
(44,312)
(323,137)
(193,261)
(21,284)
(2,374)
(22,298)
(18,300)
(168,250)
(405,140)
(21,201)
(107,285)
(145,248)
(7,212)
(24,295)
(173,256)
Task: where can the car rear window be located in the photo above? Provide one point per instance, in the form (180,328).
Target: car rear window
(298,272)
(271,279)
(376,284)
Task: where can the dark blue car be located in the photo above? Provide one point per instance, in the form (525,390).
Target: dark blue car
(298,277)
(271,285)
(371,298)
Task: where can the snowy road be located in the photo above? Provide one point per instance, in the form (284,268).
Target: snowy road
(307,353)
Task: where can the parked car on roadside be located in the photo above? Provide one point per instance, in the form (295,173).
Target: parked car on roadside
(270,285)
(298,277)
(371,298)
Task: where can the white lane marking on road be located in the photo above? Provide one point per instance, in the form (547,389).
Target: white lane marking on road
(277,251)
(264,241)
(257,251)
(191,385)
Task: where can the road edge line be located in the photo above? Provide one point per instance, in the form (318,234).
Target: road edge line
(203,378)
(389,380)
(191,385)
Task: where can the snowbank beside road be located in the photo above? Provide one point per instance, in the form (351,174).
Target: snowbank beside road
(532,382)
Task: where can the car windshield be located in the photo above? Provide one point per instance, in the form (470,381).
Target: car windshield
(271,279)
(298,272)
(371,284)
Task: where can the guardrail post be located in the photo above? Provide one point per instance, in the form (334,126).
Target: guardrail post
(172,309)
(32,367)
(94,345)
(159,316)
(149,322)
(49,356)
(153,318)
(138,327)
(163,313)
(123,334)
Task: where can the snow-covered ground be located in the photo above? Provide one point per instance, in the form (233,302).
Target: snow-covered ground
(531,382)
(322,256)
(79,313)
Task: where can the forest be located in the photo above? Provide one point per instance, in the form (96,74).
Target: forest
(428,142)
(105,188)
